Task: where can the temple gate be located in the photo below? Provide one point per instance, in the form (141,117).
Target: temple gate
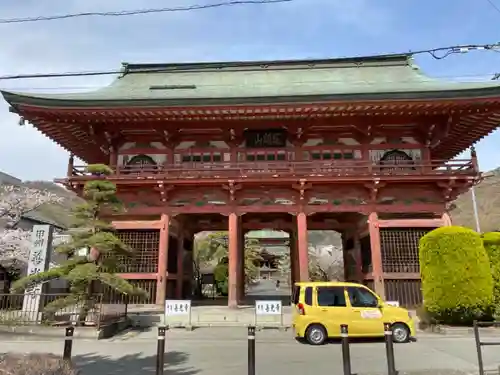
(362,146)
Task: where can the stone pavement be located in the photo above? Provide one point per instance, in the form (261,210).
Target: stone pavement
(224,352)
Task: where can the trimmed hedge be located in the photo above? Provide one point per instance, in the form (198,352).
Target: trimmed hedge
(491,242)
(457,285)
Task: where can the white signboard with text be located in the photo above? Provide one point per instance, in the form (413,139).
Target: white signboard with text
(268,308)
(177,307)
(393,303)
(38,261)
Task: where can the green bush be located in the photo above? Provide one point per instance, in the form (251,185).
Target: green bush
(457,285)
(221,275)
(491,242)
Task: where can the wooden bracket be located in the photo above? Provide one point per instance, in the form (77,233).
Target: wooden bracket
(374,188)
(302,186)
(442,132)
(232,188)
(447,188)
(169,138)
(233,138)
(164,190)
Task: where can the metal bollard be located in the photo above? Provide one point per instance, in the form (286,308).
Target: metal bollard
(160,353)
(389,348)
(480,364)
(68,343)
(251,350)
(346,352)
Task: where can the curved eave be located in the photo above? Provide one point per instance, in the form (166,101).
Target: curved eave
(479,115)
(88,101)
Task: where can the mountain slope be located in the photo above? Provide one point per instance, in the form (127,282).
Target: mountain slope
(488,204)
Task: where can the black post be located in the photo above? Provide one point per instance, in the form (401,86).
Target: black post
(480,364)
(251,350)
(68,343)
(389,348)
(346,352)
(160,353)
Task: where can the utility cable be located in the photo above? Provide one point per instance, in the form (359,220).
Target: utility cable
(437,53)
(138,11)
(450,78)
(494,6)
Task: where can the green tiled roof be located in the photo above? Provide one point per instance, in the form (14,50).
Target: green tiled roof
(377,77)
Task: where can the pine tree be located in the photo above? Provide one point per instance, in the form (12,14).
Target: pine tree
(102,247)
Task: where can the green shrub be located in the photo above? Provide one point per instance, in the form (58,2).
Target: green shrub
(221,275)
(491,242)
(457,285)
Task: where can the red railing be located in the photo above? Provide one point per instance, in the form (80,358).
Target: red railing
(300,169)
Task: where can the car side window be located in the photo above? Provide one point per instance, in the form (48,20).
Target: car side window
(331,296)
(308,296)
(296,293)
(361,297)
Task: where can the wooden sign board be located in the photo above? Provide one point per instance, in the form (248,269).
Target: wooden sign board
(273,138)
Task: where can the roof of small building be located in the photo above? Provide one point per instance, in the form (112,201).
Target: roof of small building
(263,82)
(40,219)
(267,234)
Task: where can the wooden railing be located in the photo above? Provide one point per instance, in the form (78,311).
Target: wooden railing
(301,169)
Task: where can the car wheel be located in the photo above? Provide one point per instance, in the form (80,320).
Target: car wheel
(316,334)
(400,333)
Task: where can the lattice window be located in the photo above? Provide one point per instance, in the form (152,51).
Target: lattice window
(407,292)
(145,244)
(400,248)
(396,157)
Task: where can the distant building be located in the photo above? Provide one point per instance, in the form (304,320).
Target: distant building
(275,247)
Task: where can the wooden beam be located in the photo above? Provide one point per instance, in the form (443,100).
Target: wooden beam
(137,224)
(411,223)
(138,276)
(395,276)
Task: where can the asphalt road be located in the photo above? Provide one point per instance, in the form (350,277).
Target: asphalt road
(223,351)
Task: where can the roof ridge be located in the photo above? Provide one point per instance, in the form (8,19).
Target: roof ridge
(373,60)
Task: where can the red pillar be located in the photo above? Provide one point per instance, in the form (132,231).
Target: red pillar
(233,261)
(303,246)
(180,263)
(294,261)
(241,261)
(161,277)
(376,254)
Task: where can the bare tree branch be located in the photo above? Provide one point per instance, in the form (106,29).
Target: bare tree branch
(326,263)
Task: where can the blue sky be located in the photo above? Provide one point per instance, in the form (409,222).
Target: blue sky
(298,29)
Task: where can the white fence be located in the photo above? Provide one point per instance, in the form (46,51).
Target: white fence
(264,314)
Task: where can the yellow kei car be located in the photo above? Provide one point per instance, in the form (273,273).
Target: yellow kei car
(319,308)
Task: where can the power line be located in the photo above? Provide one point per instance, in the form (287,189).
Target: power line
(138,11)
(435,53)
(89,87)
(494,5)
